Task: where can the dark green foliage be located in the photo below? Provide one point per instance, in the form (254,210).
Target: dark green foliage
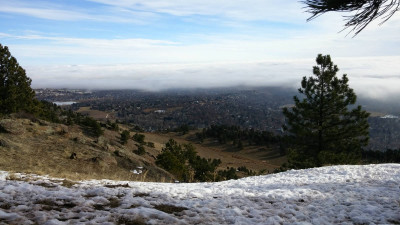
(112,126)
(92,126)
(388,156)
(240,145)
(68,117)
(227,174)
(137,129)
(125,135)
(235,134)
(182,161)
(150,144)
(48,111)
(184,129)
(15,87)
(321,127)
(204,168)
(139,138)
(141,150)
(366,11)
(172,159)
(247,171)
(16,95)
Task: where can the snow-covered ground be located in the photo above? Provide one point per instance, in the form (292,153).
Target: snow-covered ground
(330,195)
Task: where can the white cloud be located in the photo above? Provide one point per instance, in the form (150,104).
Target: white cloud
(275,10)
(51,11)
(54,14)
(263,45)
(368,79)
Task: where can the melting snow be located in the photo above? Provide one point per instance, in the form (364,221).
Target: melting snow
(328,195)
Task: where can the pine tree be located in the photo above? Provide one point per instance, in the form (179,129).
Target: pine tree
(125,135)
(15,91)
(324,127)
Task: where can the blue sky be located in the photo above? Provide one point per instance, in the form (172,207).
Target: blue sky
(158,44)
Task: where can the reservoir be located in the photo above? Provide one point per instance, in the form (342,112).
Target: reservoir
(63,103)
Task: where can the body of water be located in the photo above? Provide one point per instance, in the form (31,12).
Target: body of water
(63,103)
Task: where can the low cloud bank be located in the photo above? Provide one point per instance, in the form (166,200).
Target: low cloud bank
(372,77)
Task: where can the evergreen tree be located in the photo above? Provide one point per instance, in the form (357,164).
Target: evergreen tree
(125,135)
(141,150)
(15,87)
(322,128)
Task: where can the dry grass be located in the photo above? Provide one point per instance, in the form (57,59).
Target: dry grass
(14,177)
(256,158)
(129,221)
(100,115)
(112,203)
(44,152)
(117,185)
(68,183)
(40,149)
(49,204)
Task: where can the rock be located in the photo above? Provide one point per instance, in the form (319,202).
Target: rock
(3,143)
(11,126)
(62,129)
(73,156)
(105,161)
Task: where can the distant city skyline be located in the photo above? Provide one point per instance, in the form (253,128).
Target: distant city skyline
(160,44)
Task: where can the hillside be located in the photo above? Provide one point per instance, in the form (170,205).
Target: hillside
(32,145)
(41,147)
(329,195)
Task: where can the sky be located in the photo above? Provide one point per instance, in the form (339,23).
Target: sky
(159,44)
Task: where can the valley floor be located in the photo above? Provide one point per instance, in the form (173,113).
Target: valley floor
(328,195)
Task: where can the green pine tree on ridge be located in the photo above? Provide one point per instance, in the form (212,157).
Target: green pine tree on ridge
(324,127)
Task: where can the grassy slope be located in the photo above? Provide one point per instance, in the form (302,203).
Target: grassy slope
(45,148)
(256,158)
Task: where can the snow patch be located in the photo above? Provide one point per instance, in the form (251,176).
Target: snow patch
(329,195)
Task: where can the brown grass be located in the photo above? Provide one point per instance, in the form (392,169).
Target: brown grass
(117,185)
(68,183)
(129,221)
(256,158)
(100,115)
(45,152)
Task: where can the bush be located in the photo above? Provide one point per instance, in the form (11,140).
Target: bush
(182,161)
(141,150)
(139,138)
(125,135)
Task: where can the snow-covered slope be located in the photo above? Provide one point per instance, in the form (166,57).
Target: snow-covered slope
(329,195)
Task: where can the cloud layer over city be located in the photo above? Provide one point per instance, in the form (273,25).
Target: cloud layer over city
(160,44)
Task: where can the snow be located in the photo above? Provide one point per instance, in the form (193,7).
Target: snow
(368,194)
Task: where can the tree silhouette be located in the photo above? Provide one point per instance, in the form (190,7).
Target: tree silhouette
(366,11)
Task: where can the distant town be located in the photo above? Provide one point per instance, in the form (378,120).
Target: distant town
(249,108)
